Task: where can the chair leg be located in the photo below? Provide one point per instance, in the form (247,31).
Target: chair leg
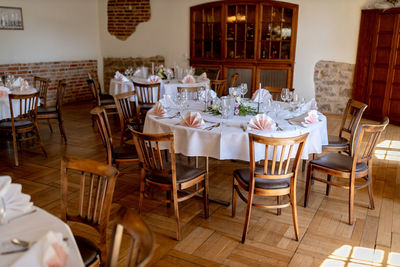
(168,198)
(205,196)
(351,201)
(62,130)
(176,211)
(308,184)
(49,123)
(294,210)
(15,149)
(141,190)
(278,201)
(234,197)
(328,187)
(370,188)
(40,141)
(303,165)
(248,212)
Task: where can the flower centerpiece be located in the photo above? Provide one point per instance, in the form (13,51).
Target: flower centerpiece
(162,72)
(240,108)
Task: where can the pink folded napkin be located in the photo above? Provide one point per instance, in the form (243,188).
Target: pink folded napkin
(154,79)
(120,77)
(158,110)
(312,117)
(262,122)
(188,79)
(193,119)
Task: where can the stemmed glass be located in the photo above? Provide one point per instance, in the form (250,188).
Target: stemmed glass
(285,94)
(244,89)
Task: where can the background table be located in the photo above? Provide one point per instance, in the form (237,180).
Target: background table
(5,104)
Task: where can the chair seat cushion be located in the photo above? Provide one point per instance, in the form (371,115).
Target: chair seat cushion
(338,162)
(18,124)
(244,176)
(183,174)
(88,249)
(146,106)
(337,141)
(124,152)
(42,110)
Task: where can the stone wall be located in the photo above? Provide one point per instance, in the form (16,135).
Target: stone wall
(333,85)
(111,65)
(75,72)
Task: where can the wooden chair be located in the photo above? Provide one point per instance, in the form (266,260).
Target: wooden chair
(26,122)
(276,92)
(357,166)
(147,95)
(234,79)
(97,182)
(42,85)
(142,239)
(275,178)
(212,73)
(106,102)
(219,86)
(103,96)
(350,122)
(127,114)
(157,171)
(48,113)
(192,92)
(115,155)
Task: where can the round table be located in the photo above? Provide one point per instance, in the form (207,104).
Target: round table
(230,141)
(5,104)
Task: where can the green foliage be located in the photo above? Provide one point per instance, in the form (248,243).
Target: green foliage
(246,110)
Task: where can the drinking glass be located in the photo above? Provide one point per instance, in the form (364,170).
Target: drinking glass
(285,94)
(244,89)
(3,210)
(227,107)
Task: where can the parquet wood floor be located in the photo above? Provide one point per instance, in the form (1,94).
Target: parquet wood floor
(326,238)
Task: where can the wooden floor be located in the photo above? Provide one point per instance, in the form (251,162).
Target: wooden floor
(326,238)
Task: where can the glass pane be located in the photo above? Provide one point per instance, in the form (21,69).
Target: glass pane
(245,76)
(217,31)
(241,28)
(276,31)
(217,49)
(231,14)
(207,49)
(198,16)
(251,14)
(267,10)
(266,31)
(240,50)
(198,49)
(208,15)
(198,32)
(230,49)
(217,14)
(250,49)
(230,31)
(285,50)
(207,31)
(275,50)
(277,14)
(273,78)
(264,50)
(250,32)
(287,15)
(241,14)
(286,31)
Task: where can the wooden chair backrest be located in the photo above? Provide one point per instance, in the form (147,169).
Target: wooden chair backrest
(234,79)
(104,129)
(192,92)
(366,140)
(142,239)
(219,86)
(62,85)
(27,106)
(95,91)
(351,119)
(93,76)
(96,189)
(277,166)
(145,92)
(276,92)
(125,107)
(42,85)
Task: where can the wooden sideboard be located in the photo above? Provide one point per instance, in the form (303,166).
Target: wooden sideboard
(256,39)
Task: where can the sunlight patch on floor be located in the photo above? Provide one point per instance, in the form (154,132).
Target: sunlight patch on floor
(388,150)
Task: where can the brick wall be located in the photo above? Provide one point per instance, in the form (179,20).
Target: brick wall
(75,72)
(125,15)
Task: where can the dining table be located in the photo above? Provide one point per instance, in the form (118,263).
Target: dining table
(5,104)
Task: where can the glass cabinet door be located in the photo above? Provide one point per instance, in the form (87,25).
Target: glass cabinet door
(240,31)
(206,23)
(276,32)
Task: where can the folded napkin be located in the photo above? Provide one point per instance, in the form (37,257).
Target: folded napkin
(261,95)
(202,77)
(154,79)
(310,105)
(261,122)
(4,91)
(18,82)
(158,110)
(50,250)
(211,94)
(167,102)
(193,119)
(306,118)
(25,86)
(16,202)
(120,77)
(188,79)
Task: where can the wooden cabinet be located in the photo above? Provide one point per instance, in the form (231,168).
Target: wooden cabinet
(257,39)
(377,73)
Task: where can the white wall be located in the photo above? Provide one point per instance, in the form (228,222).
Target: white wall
(54,30)
(327,29)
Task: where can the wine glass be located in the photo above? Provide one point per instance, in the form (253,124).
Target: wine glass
(244,89)
(285,94)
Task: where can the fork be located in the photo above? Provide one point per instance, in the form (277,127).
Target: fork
(212,126)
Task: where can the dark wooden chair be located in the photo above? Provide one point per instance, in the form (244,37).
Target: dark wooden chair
(274,179)
(97,183)
(106,102)
(276,92)
(23,127)
(234,79)
(356,166)
(161,172)
(127,114)
(103,96)
(192,92)
(219,86)
(147,95)
(42,85)
(55,113)
(142,239)
(115,155)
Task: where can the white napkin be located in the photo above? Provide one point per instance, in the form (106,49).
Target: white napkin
(158,110)
(211,93)
(310,105)
(167,102)
(120,77)
(154,79)
(25,86)
(4,91)
(193,119)
(18,82)
(50,250)
(261,95)
(17,202)
(188,79)
(261,122)
(202,77)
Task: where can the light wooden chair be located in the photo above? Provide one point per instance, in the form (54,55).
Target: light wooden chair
(26,122)
(142,239)
(42,85)
(115,155)
(147,95)
(97,183)
(356,166)
(48,113)
(127,114)
(192,92)
(234,79)
(157,171)
(276,92)
(275,179)
(219,86)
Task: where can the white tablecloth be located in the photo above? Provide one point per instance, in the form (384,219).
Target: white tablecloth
(5,105)
(32,227)
(229,141)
